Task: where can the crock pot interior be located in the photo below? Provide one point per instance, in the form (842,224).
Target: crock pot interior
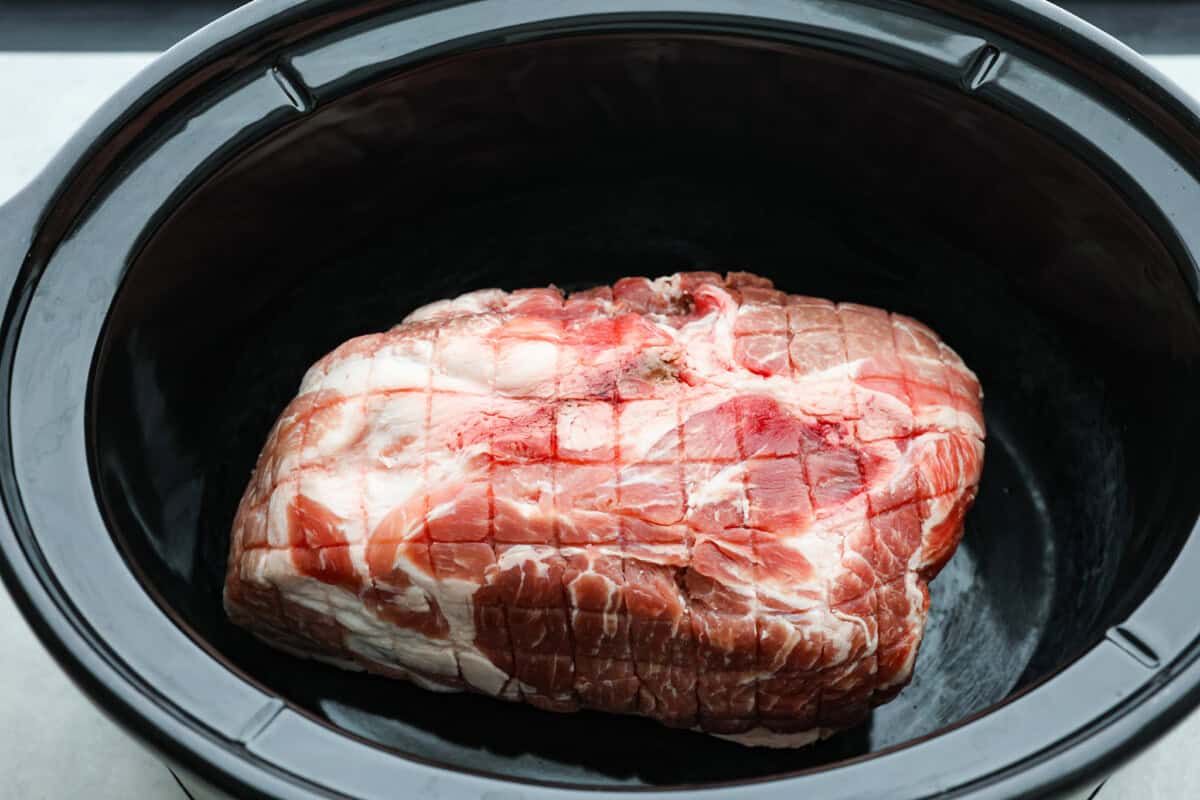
(578,160)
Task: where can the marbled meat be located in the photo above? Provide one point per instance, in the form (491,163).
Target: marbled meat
(695,498)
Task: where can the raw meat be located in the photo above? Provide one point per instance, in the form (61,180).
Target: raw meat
(694,498)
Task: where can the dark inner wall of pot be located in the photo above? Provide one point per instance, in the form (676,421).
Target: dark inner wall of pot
(578,161)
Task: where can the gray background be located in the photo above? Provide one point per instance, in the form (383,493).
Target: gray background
(58,62)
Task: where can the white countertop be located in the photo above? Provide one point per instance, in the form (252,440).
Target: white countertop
(53,743)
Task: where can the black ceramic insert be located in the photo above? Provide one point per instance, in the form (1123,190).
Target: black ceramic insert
(321,180)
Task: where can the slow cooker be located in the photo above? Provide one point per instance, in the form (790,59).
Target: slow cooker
(303,171)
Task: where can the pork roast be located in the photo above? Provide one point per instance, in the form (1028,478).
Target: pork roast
(695,498)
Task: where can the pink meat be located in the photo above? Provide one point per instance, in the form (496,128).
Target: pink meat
(697,499)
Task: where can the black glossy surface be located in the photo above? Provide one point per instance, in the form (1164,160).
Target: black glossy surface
(580,162)
(944,185)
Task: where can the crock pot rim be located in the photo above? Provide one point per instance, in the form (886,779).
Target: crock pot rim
(40,598)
